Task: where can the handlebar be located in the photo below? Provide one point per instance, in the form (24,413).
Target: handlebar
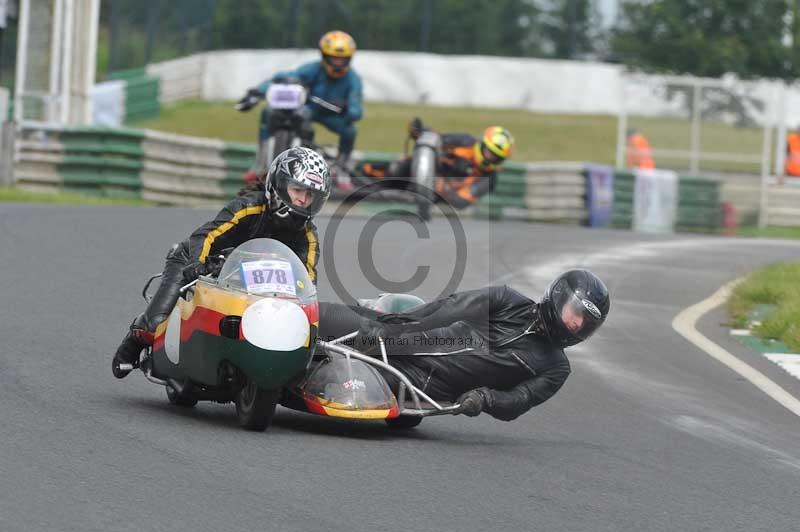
(327,105)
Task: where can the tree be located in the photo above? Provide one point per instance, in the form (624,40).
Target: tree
(705,37)
(571,29)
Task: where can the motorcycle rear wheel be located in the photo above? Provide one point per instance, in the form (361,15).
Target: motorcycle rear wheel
(255,407)
(423,168)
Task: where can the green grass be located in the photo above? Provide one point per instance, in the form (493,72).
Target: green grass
(769,232)
(16,195)
(539,136)
(777,285)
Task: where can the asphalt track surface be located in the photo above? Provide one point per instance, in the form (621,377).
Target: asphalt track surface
(648,433)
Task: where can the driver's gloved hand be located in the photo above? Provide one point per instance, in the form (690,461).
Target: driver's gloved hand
(194,270)
(249,100)
(415,127)
(472,402)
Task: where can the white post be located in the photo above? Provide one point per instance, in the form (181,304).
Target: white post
(54,102)
(22,59)
(622,124)
(780,145)
(694,161)
(763,207)
(93,20)
(66,60)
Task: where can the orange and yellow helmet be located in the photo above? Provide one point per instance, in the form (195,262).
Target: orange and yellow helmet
(337,49)
(495,146)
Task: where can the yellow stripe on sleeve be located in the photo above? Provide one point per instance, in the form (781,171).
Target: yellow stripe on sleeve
(213,235)
(311,256)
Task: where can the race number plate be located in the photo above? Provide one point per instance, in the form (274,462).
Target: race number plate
(286,96)
(269,276)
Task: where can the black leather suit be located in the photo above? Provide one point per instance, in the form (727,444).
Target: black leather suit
(479,338)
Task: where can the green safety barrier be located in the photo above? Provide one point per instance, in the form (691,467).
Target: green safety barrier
(111,162)
(141,93)
(698,210)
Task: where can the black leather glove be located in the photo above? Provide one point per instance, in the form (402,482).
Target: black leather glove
(249,100)
(193,271)
(415,127)
(472,402)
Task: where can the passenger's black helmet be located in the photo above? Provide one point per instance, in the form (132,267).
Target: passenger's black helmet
(573,307)
(300,167)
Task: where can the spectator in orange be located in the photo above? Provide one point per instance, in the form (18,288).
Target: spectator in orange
(639,154)
(793,153)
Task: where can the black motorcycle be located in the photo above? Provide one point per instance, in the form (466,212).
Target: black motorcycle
(289,119)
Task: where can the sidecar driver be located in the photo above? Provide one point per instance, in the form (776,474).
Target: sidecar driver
(295,189)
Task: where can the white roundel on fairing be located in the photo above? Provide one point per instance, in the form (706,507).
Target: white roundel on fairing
(275,325)
(172,338)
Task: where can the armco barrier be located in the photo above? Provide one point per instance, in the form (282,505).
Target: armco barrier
(38,154)
(545,192)
(181,170)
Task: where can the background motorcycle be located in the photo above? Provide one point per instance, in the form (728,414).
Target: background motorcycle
(289,119)
(413,178)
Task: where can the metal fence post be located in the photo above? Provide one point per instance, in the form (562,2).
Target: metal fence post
(7,132)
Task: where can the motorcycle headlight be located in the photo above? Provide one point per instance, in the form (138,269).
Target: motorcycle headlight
(275,325)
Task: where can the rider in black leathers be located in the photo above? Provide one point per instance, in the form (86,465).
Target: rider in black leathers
(296,188)
(492,350)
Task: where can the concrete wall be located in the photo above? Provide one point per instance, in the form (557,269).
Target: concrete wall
(449,80)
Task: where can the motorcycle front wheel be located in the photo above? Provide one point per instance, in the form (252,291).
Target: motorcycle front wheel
(255,407)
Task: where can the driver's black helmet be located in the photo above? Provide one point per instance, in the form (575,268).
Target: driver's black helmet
(574,306)
(303,168)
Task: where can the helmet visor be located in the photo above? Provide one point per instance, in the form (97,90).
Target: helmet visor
(335,64)
(579,317)
(490,158)
(301,199)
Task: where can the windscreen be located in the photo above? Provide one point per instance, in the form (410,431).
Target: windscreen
(266,267)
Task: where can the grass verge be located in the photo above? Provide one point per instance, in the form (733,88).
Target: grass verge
(16,195)
(779,285)
(539,136)
(769,232)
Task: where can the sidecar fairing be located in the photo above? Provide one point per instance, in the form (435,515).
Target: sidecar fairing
(348,384)
(258,319)
(345,387)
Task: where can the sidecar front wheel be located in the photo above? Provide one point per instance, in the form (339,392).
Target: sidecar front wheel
(255,407)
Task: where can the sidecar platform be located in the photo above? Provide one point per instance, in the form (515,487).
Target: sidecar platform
(411,401)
